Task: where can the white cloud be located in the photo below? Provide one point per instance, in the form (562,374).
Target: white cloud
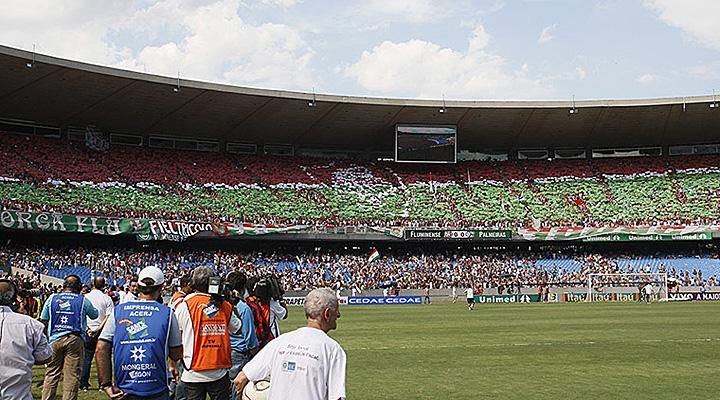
(699,18)
(547,34)
(405,10)
(72,28)
(646,78)
(419,68)
(282,3)
(202,39)
(580,73)
(229,50)
(709,72)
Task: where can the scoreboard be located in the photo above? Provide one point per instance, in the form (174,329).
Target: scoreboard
(426,144)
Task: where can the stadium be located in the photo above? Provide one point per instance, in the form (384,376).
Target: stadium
(535,205)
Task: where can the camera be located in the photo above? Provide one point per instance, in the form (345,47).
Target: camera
(216,289)
(268,287)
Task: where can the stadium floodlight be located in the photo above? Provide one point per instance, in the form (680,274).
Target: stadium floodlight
(176,89)
(443,109)
(573,110)
(714,104)
(313,102)
(31,64)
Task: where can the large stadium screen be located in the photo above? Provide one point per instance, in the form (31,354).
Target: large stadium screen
(429,144)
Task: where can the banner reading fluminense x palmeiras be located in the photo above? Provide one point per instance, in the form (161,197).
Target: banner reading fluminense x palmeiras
(456,234)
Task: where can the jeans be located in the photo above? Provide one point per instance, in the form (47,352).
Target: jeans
(238,362)
(217,390)
(90,345)
(177,389)
(160,396)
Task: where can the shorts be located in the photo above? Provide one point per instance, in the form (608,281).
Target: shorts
(471,300)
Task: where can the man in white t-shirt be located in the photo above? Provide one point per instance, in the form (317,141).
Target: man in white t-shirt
(648,291)
(131,292)
(104,305)
(470,296)
(305,364)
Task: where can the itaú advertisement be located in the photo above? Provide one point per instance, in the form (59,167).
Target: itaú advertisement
(604,297)
(382,300)
(300,301)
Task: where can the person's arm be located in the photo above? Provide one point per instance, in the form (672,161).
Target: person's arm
(109,309)
(248,330)
(279,308)
(45,313)
(175,347)
(336,375)
(42,352)
(89,309)
(103,353)
(240,382)
(234,325)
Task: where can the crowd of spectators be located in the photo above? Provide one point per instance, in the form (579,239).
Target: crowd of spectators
(349,269)
(40,174)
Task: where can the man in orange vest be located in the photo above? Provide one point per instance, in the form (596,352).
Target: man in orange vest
(206,322)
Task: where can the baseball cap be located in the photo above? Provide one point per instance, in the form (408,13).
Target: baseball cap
(153,273)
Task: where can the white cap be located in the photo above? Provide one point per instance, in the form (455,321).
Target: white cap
(153,273)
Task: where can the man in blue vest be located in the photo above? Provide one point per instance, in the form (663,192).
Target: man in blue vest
(66,314)
(140,335)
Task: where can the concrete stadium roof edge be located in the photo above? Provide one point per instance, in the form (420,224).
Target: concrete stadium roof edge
(66,92)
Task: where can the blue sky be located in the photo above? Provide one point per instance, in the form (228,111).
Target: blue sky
(462,49)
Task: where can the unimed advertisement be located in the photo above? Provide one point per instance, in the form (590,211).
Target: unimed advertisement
(506,298)
(382,300)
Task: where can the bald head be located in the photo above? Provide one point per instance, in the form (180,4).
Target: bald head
(99,283)
(73,283)
(7,293)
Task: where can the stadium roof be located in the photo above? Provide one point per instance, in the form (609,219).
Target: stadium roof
(68,93)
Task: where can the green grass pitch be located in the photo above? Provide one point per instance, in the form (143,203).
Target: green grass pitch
(526,351)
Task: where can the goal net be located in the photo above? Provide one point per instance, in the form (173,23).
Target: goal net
(637,286)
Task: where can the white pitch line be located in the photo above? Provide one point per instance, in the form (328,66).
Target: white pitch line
(580,343)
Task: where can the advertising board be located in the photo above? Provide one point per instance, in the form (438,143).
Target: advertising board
(383,300)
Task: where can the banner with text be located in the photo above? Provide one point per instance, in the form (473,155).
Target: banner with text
(695,296)
(506,298)
(572,297)
(143,229)
(456,234)
(621,233)
(300,301)
(382,300)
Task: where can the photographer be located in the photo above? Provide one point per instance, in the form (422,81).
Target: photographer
(261,293)
(278,308)
(205,321)
(28,297)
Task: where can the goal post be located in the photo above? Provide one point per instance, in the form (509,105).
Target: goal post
(599,283)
